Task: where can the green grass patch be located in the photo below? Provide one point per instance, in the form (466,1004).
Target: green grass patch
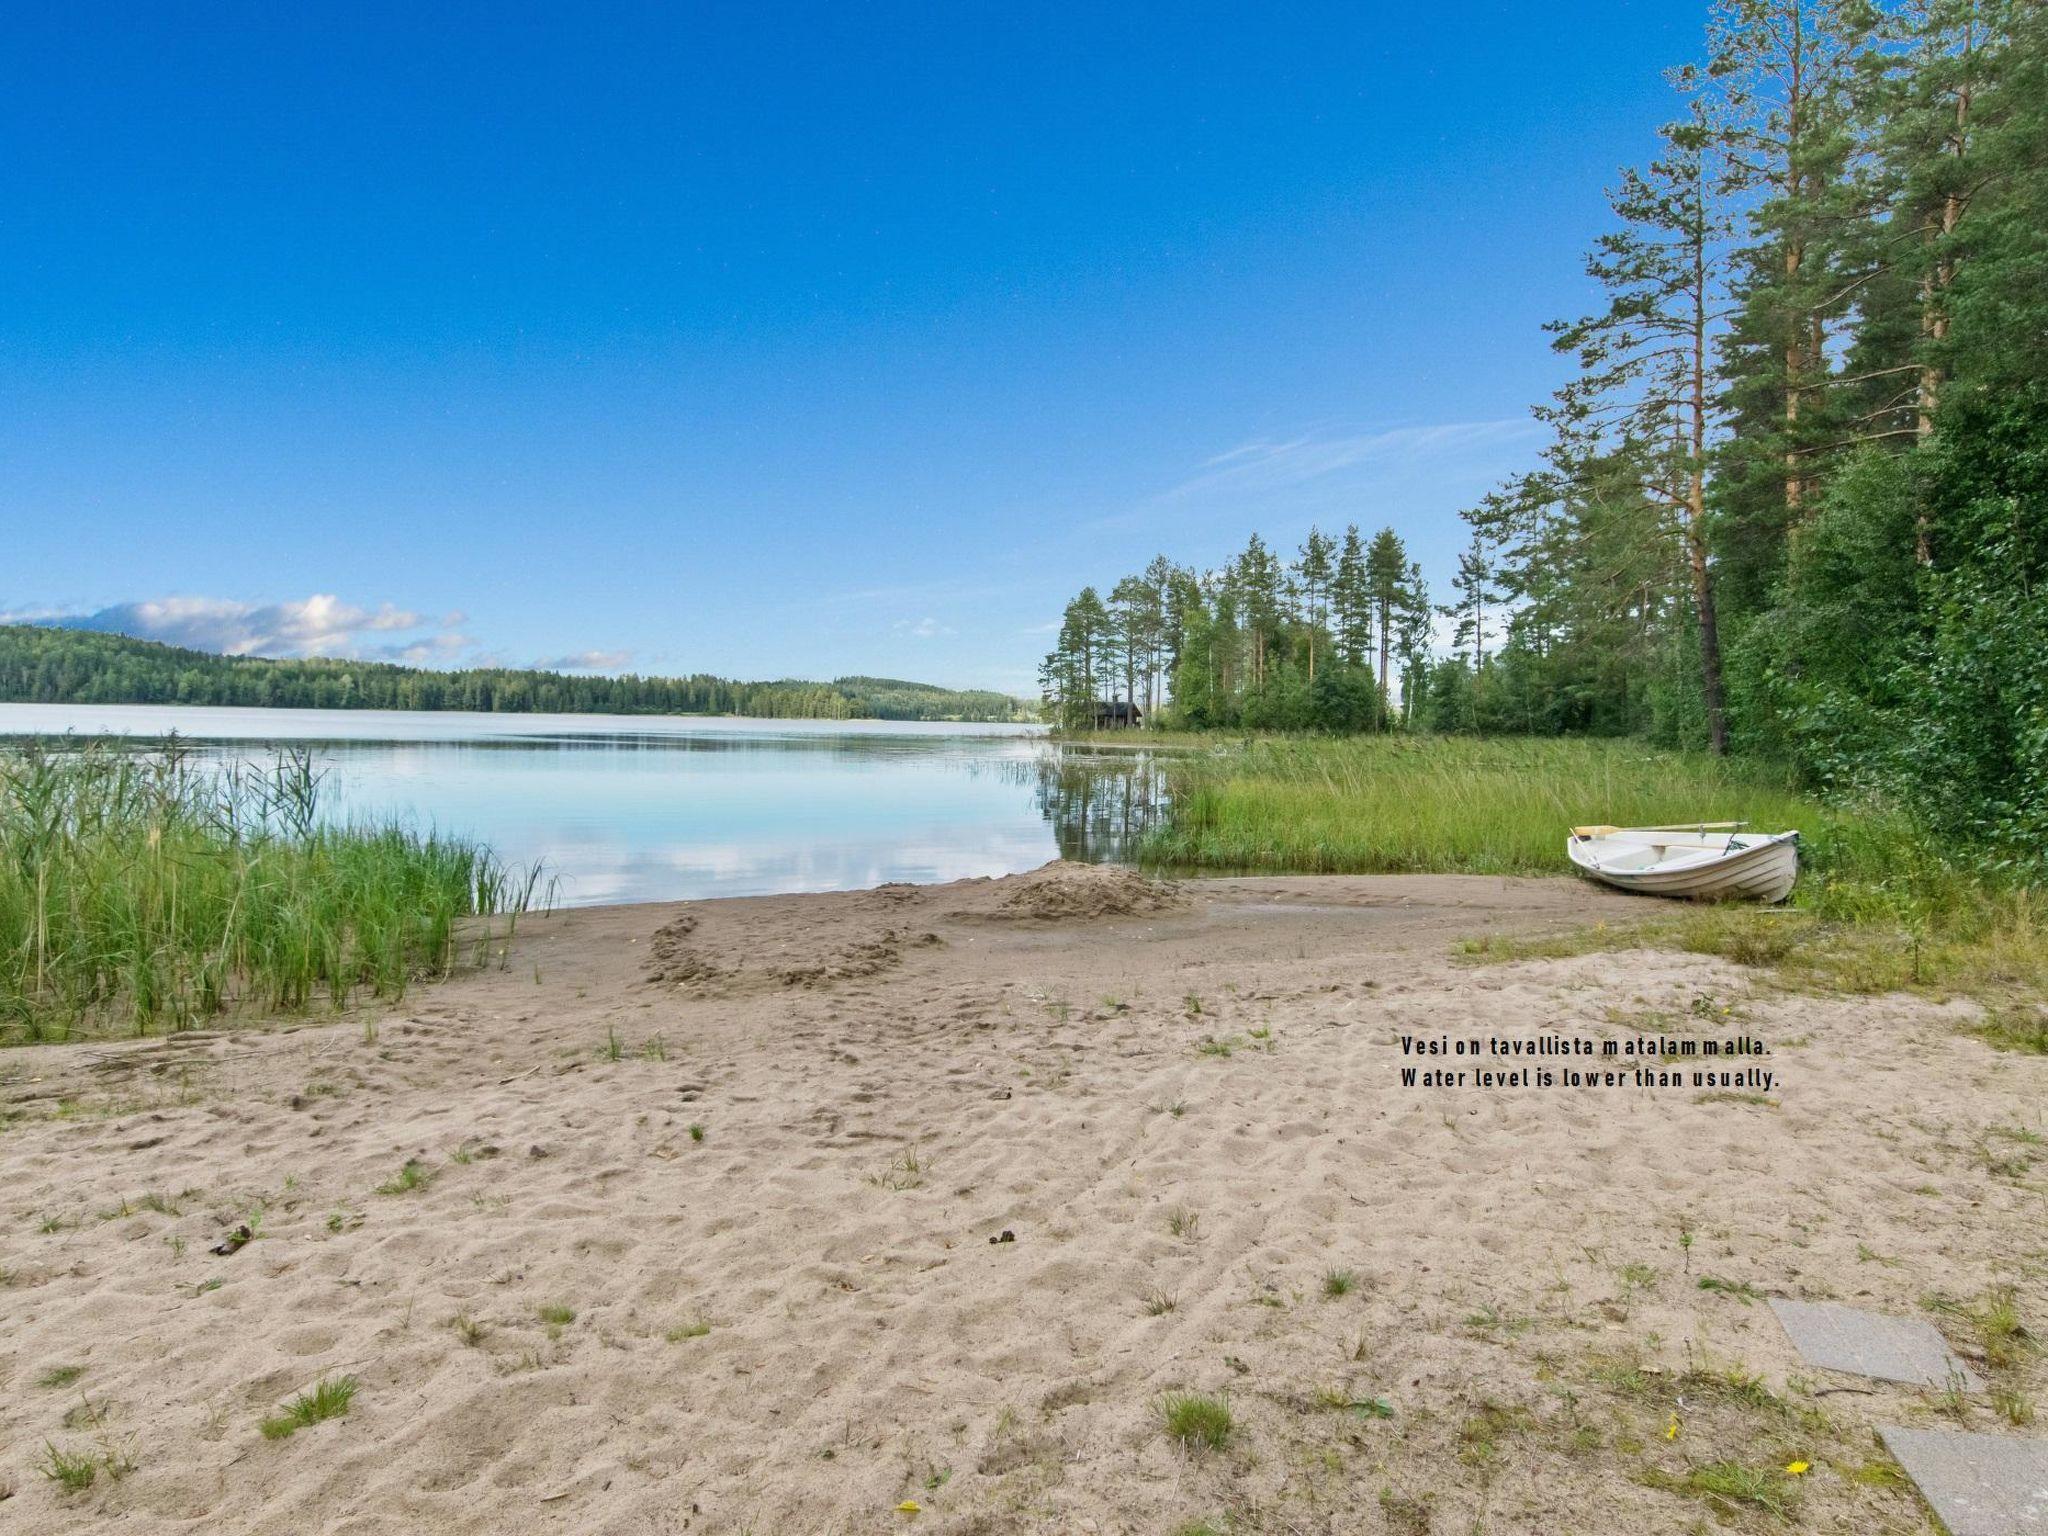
(329,1399)
(1414,805)
(1199,1421)
(1879,905)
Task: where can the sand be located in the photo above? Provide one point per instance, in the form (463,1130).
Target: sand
(1183,1103)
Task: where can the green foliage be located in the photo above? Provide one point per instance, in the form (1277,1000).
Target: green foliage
(134,888)
(64,666)
(1261,645)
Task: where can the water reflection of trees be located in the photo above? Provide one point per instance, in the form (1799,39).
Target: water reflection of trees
(1100,805)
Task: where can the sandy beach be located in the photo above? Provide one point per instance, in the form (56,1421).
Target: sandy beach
(787,1214)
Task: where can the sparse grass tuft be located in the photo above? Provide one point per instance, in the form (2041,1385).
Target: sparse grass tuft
(412,1176)
(71,1470)
(907,1171)
(1729,1488)
(1199,1421)
(1741,1290)
(1339,1282)
(1184,1223)
(59,1376)
(557,1316)
(329,1399)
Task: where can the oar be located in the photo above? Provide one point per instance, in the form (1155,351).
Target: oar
(1683,826)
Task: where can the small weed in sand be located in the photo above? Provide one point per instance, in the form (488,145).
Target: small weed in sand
(1490,1319)
(1728,1488)
(1741,1290)
(612,1049)
(1192,1006)
(1685,1236)
(2012,1405)
(690,1330)
(1199,1528)
(906,1172)
(1173,1107)
(412,1176)
(60,1376)
(1209,1045)
(1339,1282)
(1865,1254)
(468,1329)
(2001,1333)
(329,1399)
(1198,1421)
(1338,1400)
(70,1470)
(655,1049)
(557,1316)
(50,1224)
(1184,1223)
(1159,1303)
(176,1245)
(1480,1435)
(343,1221)
(1637,1277)
(696,1133)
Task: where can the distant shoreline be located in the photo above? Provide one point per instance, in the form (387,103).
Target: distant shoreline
(43,665)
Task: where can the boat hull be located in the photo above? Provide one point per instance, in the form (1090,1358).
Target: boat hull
(1764,871)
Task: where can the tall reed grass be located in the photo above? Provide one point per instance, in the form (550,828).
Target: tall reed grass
(1443,804)
(140,890)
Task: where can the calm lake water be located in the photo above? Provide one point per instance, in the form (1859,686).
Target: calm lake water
(634,808)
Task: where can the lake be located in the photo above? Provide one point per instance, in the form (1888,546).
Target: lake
(642,808)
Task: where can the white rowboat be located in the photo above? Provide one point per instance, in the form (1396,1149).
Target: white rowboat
(1707,861)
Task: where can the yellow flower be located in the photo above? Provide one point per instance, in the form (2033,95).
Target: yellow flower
(909,1507)
(1794,1468)
(1671,1429)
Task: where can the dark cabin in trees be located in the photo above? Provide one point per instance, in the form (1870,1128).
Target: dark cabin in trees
(1116,715)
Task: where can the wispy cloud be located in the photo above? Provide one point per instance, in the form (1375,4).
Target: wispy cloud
(926,628)
(586,661)
(320,625)
(1269,464)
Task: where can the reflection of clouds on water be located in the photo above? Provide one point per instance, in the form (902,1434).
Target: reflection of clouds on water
(629,809)
(611,870)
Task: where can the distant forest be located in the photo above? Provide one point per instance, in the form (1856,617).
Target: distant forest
(1795,498)
(67,666)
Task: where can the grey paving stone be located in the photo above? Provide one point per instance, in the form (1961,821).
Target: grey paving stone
(1839,1338)
(1980,1485)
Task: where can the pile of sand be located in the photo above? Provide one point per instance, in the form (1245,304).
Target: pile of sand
(1064,891)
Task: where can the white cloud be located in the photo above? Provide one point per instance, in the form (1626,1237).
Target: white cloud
(926,628)
(1269,465)
(320,625)
(585,661)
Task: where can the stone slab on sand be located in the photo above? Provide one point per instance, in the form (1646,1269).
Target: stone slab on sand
(1980,1485)
(1839,1338)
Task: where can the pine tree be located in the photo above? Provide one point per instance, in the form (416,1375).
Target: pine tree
(1779,77)
(1313,572)
(1644,388)
(1351,600)
(1386,568)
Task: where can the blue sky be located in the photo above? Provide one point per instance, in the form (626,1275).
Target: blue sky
(776,339)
